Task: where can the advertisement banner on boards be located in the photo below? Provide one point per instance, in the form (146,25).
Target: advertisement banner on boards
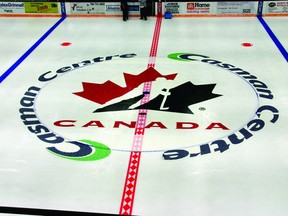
(88,8)
(114,8)
(198,7)
(172,7)
(11,8)
(236,8)
(276,7)
(41,7)
(105,8)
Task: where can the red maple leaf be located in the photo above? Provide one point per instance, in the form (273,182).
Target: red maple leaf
(102,93)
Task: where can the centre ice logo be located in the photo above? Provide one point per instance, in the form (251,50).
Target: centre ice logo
(188,111)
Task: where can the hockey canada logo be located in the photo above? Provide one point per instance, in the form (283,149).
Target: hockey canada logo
(86,114)
(177,99)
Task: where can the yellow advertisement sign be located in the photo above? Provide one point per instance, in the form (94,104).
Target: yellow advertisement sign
(41,7)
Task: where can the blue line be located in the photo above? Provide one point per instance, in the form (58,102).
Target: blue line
(260,8)
(28,52)
(273,37)
(63,9)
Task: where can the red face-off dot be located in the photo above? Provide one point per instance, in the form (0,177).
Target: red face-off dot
(65,44)
(247,44)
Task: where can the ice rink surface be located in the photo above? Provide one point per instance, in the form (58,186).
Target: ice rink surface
(216,147)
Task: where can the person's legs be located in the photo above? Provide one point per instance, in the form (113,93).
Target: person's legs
(141,13)
(145,13)
(126,14)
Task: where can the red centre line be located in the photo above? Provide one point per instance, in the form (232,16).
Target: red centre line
(135,155)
